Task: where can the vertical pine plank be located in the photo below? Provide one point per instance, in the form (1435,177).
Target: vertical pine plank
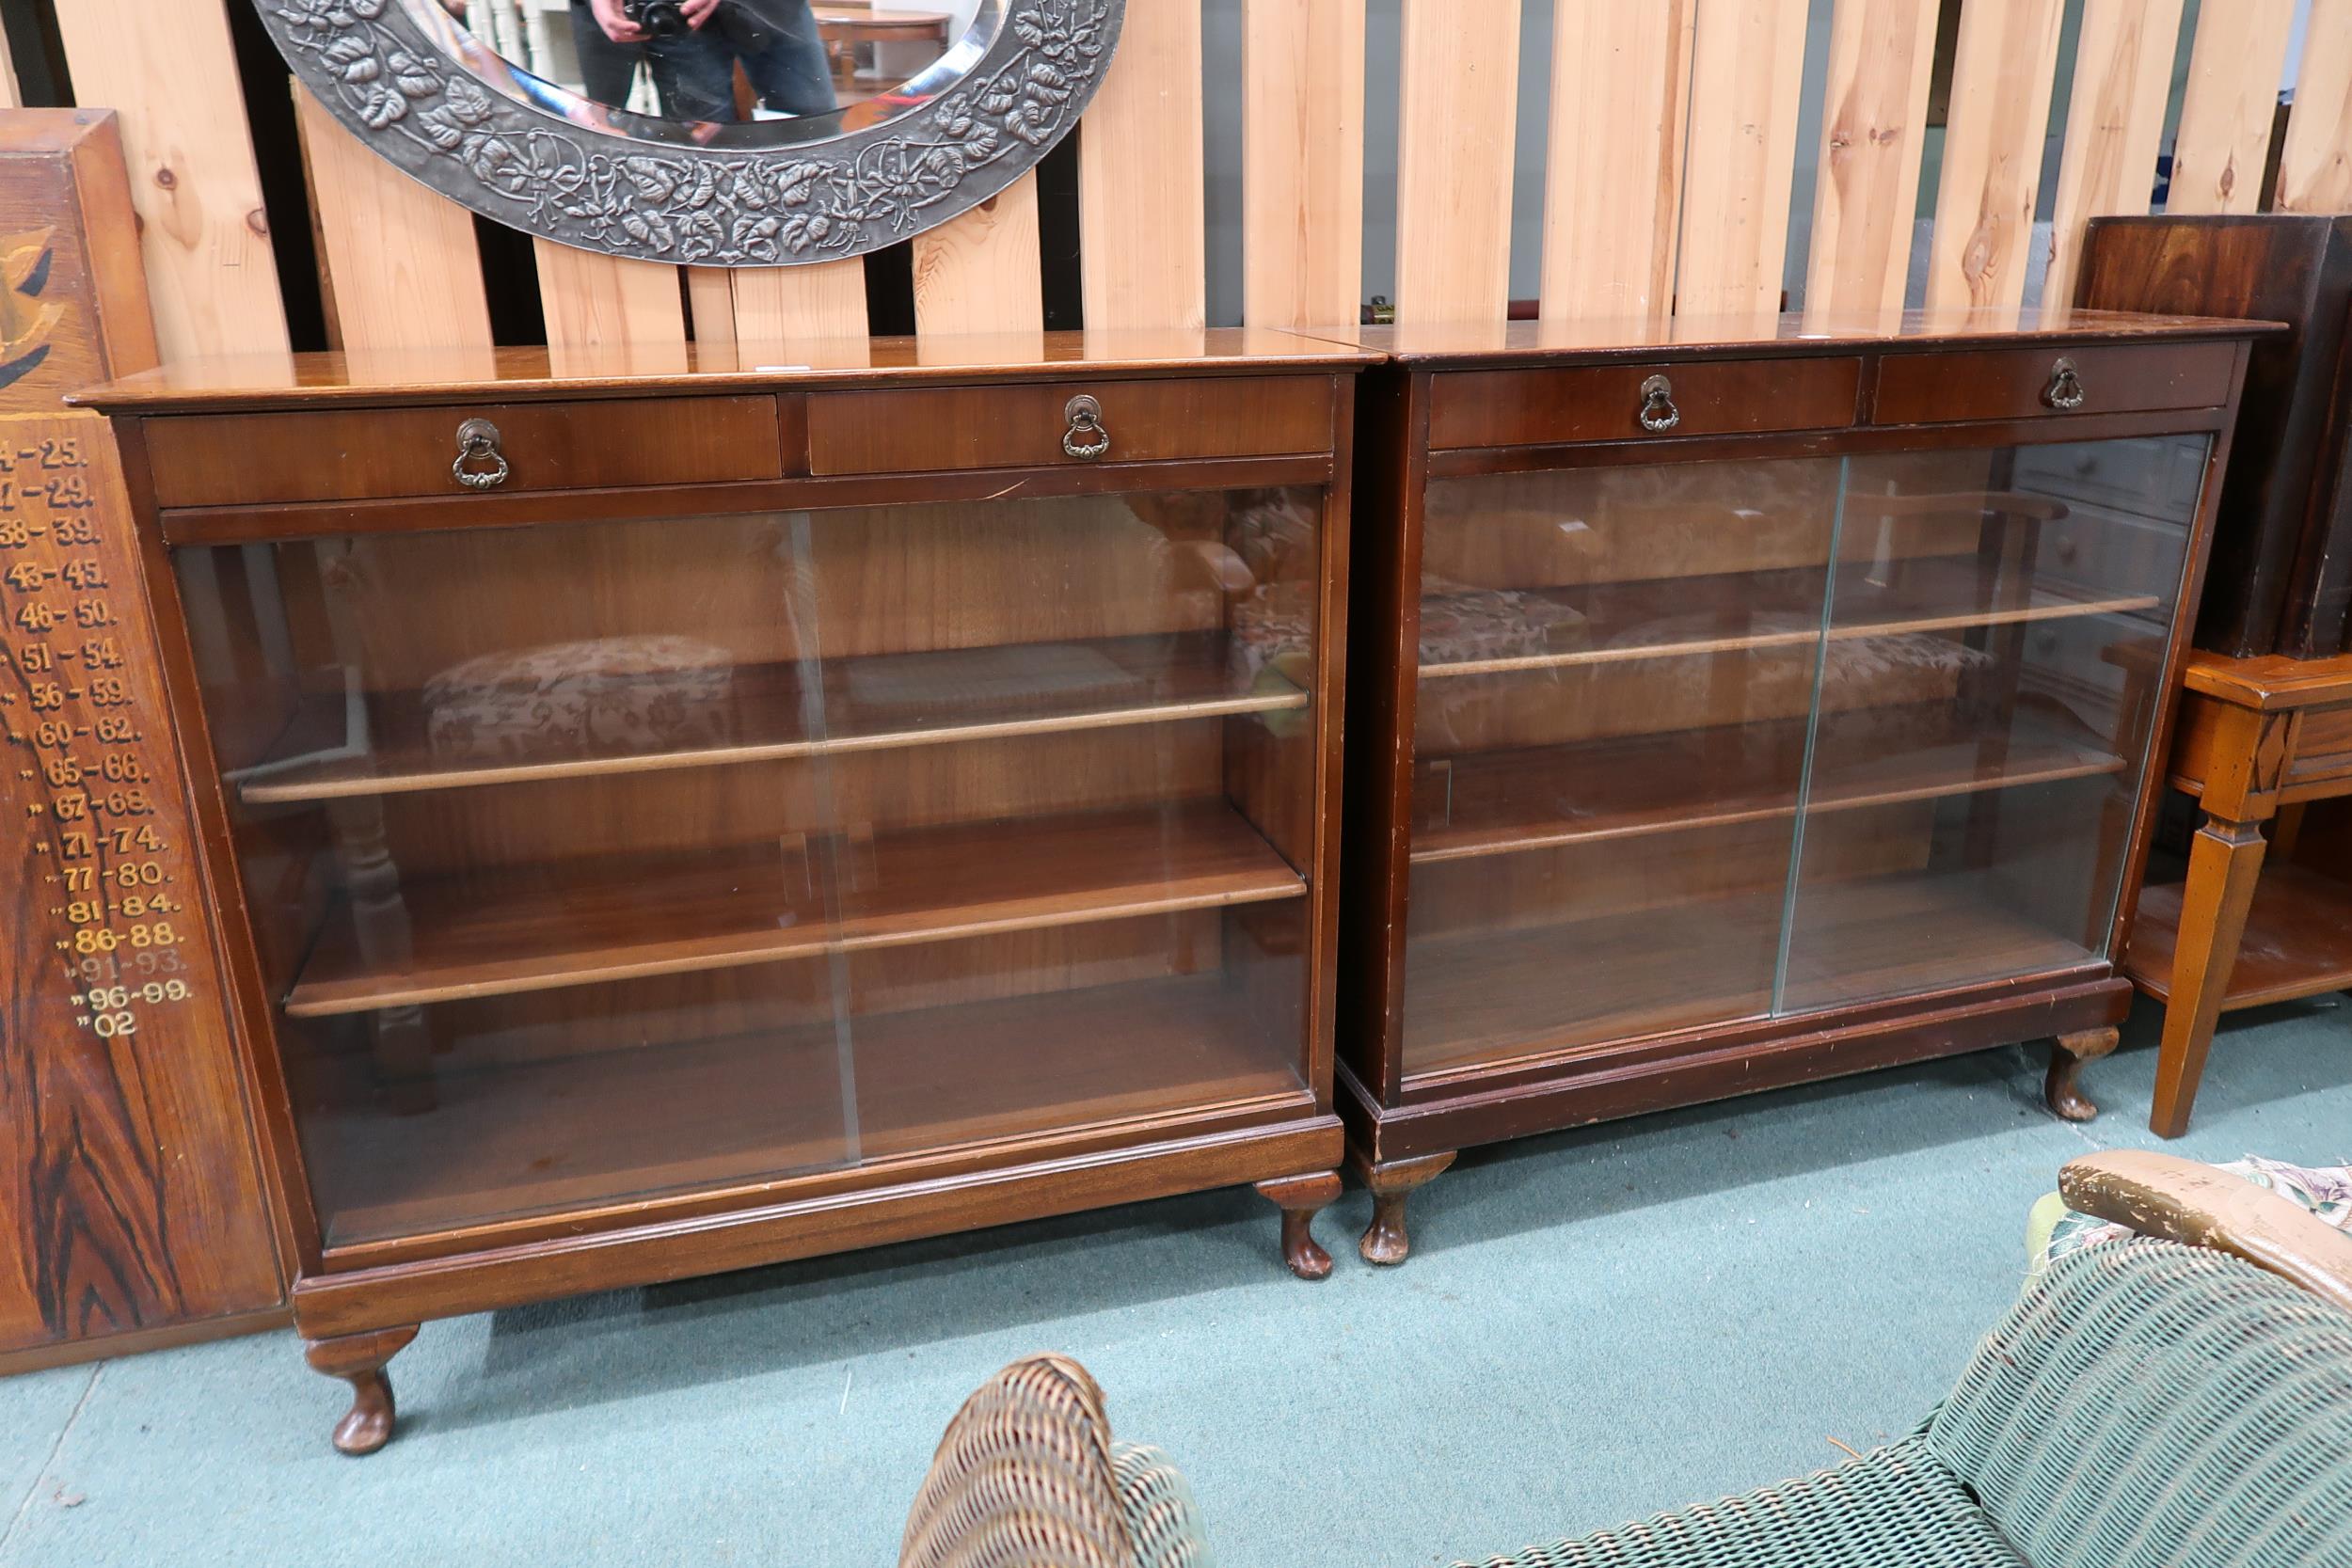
(2114,121)
(1456,126)
(1142,202)
(2002,68)
(1873,130)
(2316,165)
(2224,140)
(1746,80)
(980,270)
(10,95)
(1612,174)
(710,291)
(404,270)
(171,73)
(775,305)
(612,305)
(1302,161)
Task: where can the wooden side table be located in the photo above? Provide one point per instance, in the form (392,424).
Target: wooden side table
(2257,739)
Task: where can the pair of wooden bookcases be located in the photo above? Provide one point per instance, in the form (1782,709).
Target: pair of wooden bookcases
(666,824)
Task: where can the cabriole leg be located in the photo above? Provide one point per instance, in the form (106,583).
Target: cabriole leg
(1385,1241)
(1300,1198)
(2062,1089)
(359,1359)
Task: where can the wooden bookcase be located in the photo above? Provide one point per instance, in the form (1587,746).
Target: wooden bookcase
(1739,704)
(726,816)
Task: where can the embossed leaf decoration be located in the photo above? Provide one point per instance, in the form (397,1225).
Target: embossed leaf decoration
(652,178)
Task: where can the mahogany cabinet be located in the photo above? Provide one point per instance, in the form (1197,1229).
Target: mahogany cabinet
(674,823)
(1752,703)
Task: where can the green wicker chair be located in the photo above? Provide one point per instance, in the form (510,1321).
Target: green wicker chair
(2180,1400)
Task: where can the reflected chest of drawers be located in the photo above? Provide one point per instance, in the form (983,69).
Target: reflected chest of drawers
(1767,704)
(667,825)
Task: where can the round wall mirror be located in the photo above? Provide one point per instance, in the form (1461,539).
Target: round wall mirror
(720,133)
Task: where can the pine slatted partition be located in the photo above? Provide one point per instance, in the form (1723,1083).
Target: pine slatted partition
(1612,171)
(401,262)
(2002,71)
(1746,71)
(1142,209)
(2316,165)
(2114,121)
(609,302)
(2223,144)
(1458,103)
(778,305)
(1302,160)
(172,75)
(979,272)
(1873,131)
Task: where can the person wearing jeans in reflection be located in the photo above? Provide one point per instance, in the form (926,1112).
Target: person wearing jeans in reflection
(694,73)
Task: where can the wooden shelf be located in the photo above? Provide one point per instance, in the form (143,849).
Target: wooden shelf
(866,704)
(2297,942)
(543,1136)
(1502,802)
(617,917)
(1498,995)
(1674,617)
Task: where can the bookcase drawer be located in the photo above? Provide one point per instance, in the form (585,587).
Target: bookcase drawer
(1611,403)
(2024,383)
(368,453)
(930,429)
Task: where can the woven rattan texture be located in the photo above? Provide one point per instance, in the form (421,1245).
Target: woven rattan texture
(1023,1478)
(1898,1505)
(2160,1406)
(1163,1519)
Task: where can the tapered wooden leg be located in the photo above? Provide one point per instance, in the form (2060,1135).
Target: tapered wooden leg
(1385,1241)
(2062,1089)
(1300,1198)
(2224,860)
(359,1359)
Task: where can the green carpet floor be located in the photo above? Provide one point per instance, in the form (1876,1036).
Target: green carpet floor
(1594,1325)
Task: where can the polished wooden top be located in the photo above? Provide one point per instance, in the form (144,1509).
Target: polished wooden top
(1447,342)
(515,374)
(2269,681)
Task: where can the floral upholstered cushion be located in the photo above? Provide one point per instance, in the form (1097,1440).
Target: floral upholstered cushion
(608,694)
(2053,1229)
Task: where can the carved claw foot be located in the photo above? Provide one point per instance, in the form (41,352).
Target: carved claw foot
(359,1359)
(1385,1241)
(1300,1198)
(2062,1089)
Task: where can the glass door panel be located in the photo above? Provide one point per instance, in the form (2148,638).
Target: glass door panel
(595,861)
(525,820)
(1082,897)
(1616,670)
(1996,636)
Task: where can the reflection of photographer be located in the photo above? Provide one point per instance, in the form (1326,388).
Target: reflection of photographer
(692,48)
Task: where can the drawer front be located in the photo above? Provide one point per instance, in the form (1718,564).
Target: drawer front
(363,454)
(925,430)
(1606,403)
(2015,383)
(2322,745)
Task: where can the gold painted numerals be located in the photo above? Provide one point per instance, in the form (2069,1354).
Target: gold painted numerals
(115,880)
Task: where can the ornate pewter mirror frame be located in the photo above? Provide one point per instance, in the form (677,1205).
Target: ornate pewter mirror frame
(427,94)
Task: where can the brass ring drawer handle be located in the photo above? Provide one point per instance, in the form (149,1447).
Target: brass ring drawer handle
(478,444)
(1088,437)
(2065,390)
(1659,412)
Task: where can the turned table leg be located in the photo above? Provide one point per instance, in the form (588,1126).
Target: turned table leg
(359,1361)
(2061,1090)
(1385,1241)
(2224,860)
(1300,1198)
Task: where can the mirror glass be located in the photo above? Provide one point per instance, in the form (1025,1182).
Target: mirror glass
(718,72)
